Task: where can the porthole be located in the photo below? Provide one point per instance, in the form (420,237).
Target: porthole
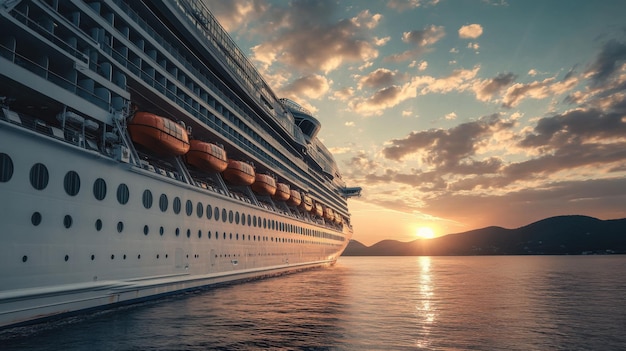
(216,213)
(224,235)
(24,258)
(146,230)
(146,198)
(163,203)
(39,176)
(98,224)
(254,220)
(99,189)
(199,233)
(200,210)
(249,222)
(209,212)
(122,194)
(189,207)
(120,227)
(112,257)
(177,231)
(35,219)
(230,236)
(67,258)
(6,169)
(176,205)
(67,221)
(189,233)
(230,216)
(161,231)
(209,234)
(93,257)
(264,223)
(243,219)
(71,183)
(224,213)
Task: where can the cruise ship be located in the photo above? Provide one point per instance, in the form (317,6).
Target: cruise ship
(142,154)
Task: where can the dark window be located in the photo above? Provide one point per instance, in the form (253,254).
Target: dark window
(224,213)
(177,231)
(120,227)
(249,221)
(209,212)
(123,194)
(188,233)
(39,176)
(146,230)
(189,207)
(35,219)
(100,189)
(161,231)
(98,224)
(199,233)
(209,234)
(6,168)
(71,183)
(67,221)
(216,213)
(243,219)
(163,202)
(200,209)
(147,199)
(176,205)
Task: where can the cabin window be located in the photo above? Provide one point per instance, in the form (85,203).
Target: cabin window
(100,189)
(237,218)
(6,169)
(98,224)
(147,199)
(120,227)
(200,209)
(209,212)
(67,221)
(163,203)
(224,213)
(146,230)
(189,207)
(189,233)
(216,213)
(123,194)
(177,231)
(199,233)
(71,183)
(161,231)
(176,205)
(230,216)
(35,219)
(39,176)
(209,234)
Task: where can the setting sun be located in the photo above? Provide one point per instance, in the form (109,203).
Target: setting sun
(425,233)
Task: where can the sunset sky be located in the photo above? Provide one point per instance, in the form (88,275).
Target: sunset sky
(454,115)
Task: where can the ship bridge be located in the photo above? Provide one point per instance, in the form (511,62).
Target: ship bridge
(304,119)
(351,191)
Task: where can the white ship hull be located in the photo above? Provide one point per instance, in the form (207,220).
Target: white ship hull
(49,269)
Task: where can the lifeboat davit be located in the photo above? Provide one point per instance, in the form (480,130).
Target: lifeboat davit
(295,199)
(239,173)
(283,192)
(328,213)
(206,156)
(264,185)
(307,203)
(158,134)
(317,209)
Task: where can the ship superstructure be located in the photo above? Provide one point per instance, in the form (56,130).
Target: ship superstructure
(142,154)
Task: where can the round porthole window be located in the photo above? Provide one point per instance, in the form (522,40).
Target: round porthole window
(39,176)
(71,183)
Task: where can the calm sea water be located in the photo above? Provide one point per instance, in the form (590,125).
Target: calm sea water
(379,303)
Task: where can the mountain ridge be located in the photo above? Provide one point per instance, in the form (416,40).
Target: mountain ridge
(559,235)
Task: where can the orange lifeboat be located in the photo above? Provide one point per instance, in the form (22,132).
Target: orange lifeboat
(206,156)
(282,192)
(307,203)
(264,185)
(295,199)
(338,218)
(317,209)
(328,213)
(239,173)
(158,134)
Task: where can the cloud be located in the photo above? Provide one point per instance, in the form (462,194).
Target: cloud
(306,40)
(486,89)
(608,62)
(233,14)
(420,40)
(377,79)
(402,5)
(548,87)
(312,86)
(470,31)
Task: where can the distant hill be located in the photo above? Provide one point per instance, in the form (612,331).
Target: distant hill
(562,235)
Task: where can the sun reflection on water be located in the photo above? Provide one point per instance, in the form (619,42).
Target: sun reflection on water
(425,311)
